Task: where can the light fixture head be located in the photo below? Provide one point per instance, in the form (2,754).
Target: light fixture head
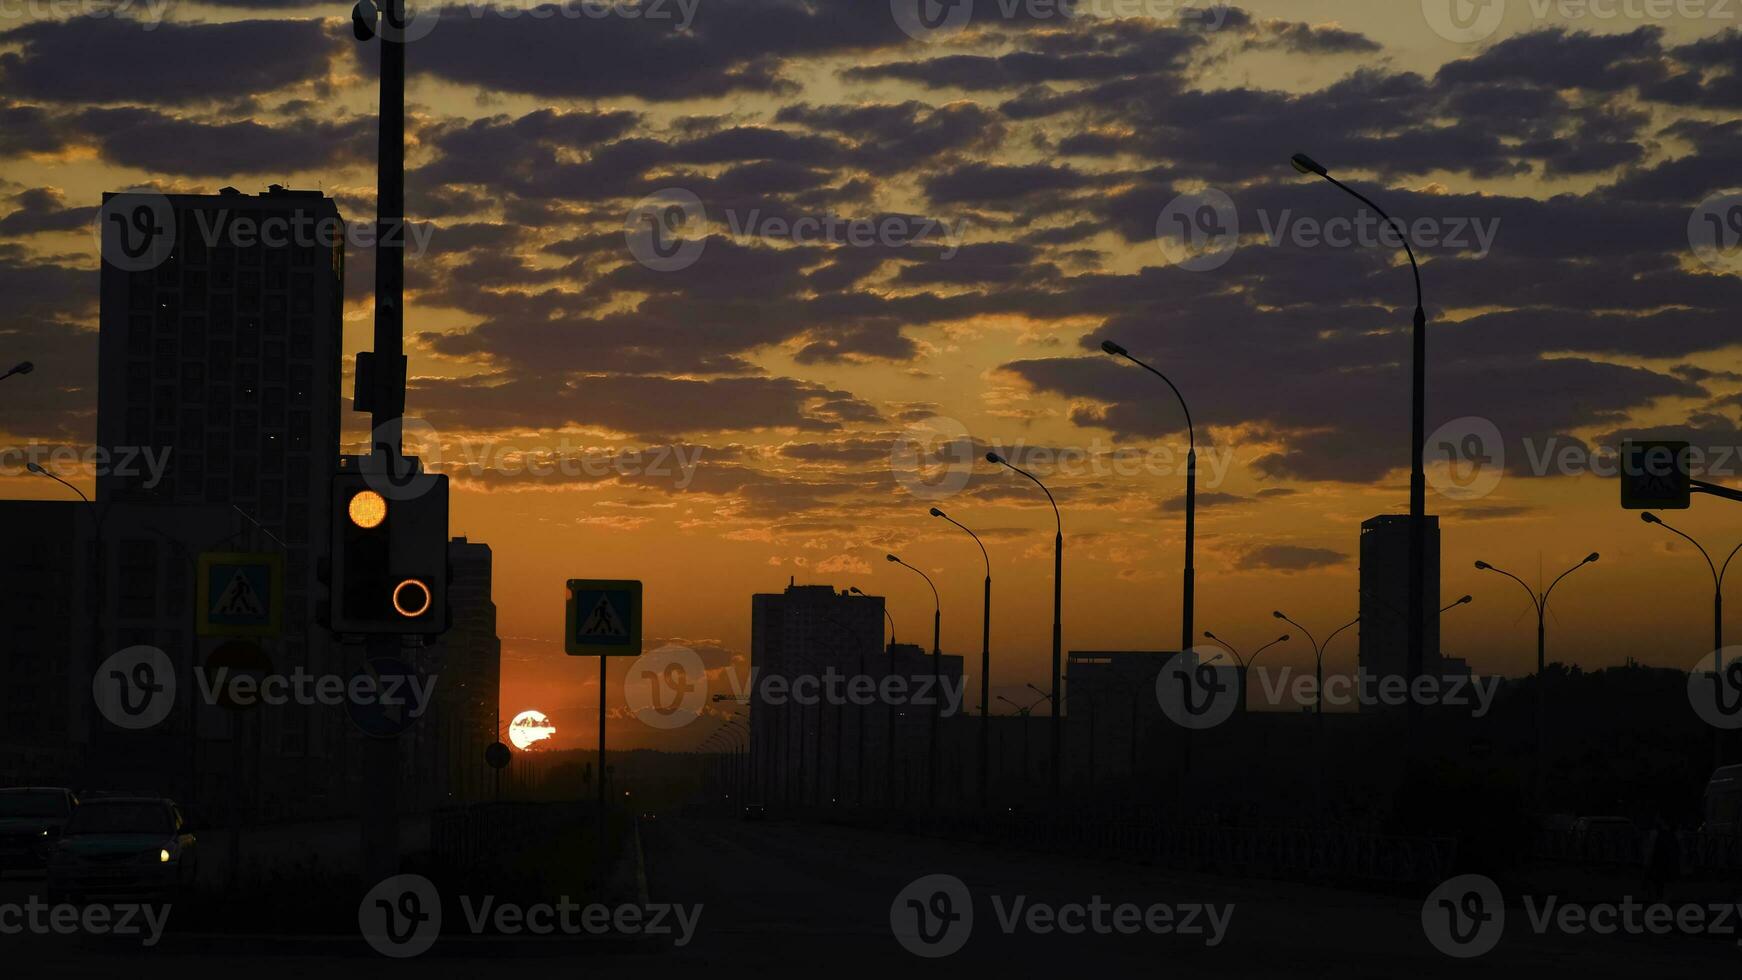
(892,558)
(1591,557)
(994,458)
(936,513)
(1307,165)
(1483,565)
(1114,349)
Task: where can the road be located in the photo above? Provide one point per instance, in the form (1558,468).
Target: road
(786,899)
(780,898)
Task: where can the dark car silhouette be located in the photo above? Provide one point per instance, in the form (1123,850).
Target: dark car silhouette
(31,820)
(123,845)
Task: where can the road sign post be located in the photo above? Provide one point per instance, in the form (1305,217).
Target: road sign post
(603,619)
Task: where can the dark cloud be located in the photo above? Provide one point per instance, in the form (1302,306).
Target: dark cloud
(1288,558)
(167,63)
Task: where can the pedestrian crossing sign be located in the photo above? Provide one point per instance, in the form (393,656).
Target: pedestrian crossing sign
(240,593)
(604,618)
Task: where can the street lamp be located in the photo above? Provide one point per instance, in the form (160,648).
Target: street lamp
(886,615)
(1717,613)
(985,662)
(936,620)
(1058,567)
(1189,575)
(22,367)
(1540,601)
(1318,658)
(1244,661)
(1417,620)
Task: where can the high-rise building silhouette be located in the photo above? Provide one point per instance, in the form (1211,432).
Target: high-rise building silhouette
(466,663)
(222,360)
(1384,626)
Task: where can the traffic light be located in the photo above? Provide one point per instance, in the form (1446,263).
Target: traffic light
(389,566)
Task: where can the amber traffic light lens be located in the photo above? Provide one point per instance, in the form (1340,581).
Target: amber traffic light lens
(367,509)
(411,598)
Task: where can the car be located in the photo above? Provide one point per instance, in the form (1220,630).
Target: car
(755,811)
(123,845)
(1723,810)
(31,820)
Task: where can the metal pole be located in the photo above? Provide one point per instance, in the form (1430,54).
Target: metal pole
(380,823)
(1417,505)
(936,656)
(1058,567)
(1186,600)
(986,695)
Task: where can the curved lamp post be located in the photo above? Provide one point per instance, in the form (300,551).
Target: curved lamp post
(985,662)
(1717,612)
(1417,620)
(1189,575)
(936,620)
(1058,566)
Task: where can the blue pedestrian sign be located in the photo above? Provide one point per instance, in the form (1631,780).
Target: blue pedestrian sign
(604,618)
(240,593)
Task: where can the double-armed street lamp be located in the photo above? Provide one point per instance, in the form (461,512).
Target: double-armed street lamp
(985,662)
(1417,619)
(1244,662)
(1540,601)
(936,655)
(1058,567)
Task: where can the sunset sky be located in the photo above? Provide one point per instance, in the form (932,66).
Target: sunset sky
(1027,163)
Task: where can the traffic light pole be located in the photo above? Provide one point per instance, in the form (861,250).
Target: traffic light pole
(380,796)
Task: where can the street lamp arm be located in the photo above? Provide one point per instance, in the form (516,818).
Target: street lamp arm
(1716,581)
(1340,629)
(1303,629)
(983,555)
(1557,581)
(1414,267)
(1539,601)
(1060,521)
(1191,434)
(1726,566)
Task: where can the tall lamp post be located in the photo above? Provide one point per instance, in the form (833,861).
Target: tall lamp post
(1717,615)
(1540,601)
(1189,575)
(985,663)
(1417,622)
(936,656)
(1058,567)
